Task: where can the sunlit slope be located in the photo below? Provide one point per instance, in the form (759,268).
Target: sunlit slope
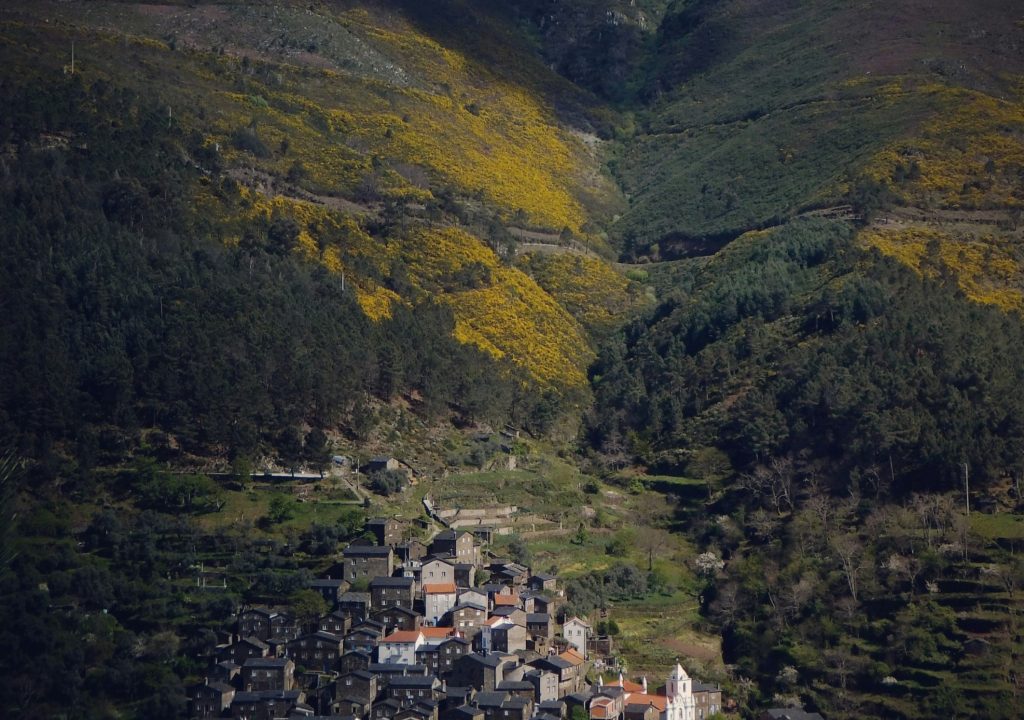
(766,110)
(370,106)
(362,140)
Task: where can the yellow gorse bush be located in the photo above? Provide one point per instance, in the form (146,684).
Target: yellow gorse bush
(587,287)
(986,270)
(968,155)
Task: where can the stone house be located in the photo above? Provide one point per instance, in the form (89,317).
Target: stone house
(355,605)
(388,591)
(362,638)
(707,700)
(209,699)
(437,570)
(412,550)
(359,686)
(457,543)
(367,561)
(544,682)
(387,531)
(483,672)
(316,651)
(543,582)
(510,613)
(265,705)
(465,574)
(268,674)
(255,622)
(385,709)
(243,649)
(500,634)
(411,689)
(540,625)
(468,618)
(353,660)
(440,657)
(336,623)
(398,618)
(330,589)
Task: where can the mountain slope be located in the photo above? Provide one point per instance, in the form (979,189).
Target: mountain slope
(769,109)
(401,153)
(836,355)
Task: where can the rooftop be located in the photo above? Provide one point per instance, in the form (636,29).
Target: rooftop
(439,588)
(366,551)
(398,582)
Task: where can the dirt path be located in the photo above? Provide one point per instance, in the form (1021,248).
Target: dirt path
(271,186)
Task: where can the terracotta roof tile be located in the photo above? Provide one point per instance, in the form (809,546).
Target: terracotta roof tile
(437,632)
(429,588)
(659,702)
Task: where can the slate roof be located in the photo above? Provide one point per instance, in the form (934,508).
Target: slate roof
(396,669)
(326,583)
(493,661)
(552,662)
(398,582)
(490,698)
(266,662)
(366,551)
(517,703)
(513,685)
(256,642)
(413,681)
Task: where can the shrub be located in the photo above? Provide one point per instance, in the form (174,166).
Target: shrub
(388,482)
(246,140)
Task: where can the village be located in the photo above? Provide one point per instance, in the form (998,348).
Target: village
(434,630)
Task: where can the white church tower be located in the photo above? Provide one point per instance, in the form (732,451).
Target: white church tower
(679,691)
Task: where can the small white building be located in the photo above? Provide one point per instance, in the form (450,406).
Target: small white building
(437,571)
(438,599)
(577,632)
(400,647)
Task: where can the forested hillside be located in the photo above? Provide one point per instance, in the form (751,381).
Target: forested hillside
(751,270)
(837,360)
(240,235)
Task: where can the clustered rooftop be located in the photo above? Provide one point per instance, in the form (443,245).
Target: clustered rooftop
(427,643)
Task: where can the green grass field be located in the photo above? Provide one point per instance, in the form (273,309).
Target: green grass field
(1008,526)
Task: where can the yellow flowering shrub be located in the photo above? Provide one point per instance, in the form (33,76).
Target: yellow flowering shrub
(987,270)
(588,287)
(376,302)
(509,316)
(515,318)
(968,155)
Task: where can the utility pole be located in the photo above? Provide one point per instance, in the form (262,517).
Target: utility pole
(72,57)
(967,504)
(967,492)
